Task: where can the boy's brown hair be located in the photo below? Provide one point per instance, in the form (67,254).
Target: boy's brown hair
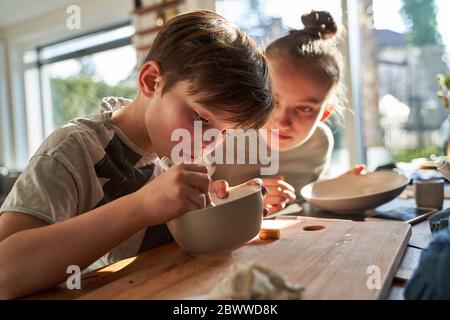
(220,61)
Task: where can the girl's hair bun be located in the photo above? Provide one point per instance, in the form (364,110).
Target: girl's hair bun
(320,24)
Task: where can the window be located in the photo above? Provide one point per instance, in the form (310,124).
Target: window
(395,50)
(266,20)
(404,52)
(68,79)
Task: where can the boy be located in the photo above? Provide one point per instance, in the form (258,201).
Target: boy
(93,187)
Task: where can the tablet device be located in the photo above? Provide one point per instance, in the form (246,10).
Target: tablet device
(402,213)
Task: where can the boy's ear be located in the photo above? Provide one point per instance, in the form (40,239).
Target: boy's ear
(328,112)
(149,78)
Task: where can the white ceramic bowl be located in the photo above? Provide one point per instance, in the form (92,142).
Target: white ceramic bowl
(355,193)
(233,221)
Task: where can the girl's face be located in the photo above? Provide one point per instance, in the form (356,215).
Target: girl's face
(301,97)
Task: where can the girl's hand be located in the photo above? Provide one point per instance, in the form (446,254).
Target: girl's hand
(279,194)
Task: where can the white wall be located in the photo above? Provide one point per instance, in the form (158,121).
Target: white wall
(28,35)
(52,26)
(201,4)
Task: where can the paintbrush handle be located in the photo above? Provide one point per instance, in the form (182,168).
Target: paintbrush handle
(421,218)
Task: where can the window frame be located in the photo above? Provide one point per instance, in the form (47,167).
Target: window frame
(89,50)
(46,125)
(354,128)
(5,128)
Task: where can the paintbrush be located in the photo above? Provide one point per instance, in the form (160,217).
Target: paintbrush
(421,218)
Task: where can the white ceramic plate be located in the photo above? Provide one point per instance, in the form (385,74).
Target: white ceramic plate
(355,193)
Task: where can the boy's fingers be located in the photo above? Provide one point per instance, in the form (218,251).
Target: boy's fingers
(194,167)
(220,188)
(198,180)
(197,198)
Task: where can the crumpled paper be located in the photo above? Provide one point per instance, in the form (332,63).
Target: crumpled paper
(255,282)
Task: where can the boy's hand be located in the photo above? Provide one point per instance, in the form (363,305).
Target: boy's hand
(221,188)
(279,194)
(182,188)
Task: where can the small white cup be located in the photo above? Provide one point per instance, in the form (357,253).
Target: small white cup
(429,193)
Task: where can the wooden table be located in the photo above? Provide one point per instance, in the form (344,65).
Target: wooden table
(137,269)
(420,239)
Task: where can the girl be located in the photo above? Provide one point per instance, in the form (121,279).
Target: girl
(306,72)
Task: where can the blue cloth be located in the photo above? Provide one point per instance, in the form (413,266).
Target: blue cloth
(431,280)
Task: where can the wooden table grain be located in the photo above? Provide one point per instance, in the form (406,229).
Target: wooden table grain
(420,239)
(331,258)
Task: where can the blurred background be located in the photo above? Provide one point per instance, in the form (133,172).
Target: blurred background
(58,58)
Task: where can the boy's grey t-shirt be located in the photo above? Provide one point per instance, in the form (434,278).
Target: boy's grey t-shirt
(84,165)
